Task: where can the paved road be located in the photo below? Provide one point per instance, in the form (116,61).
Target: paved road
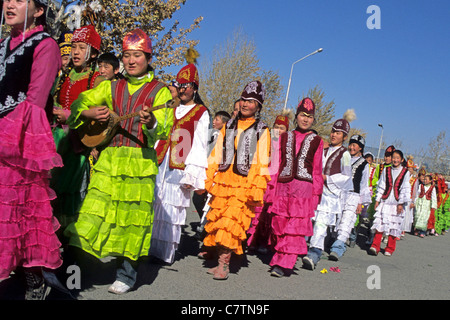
(418,270)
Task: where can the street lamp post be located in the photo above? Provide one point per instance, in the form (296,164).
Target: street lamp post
(381,138)
(292,68)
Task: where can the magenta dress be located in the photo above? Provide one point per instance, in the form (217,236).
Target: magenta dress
(27,153)
(292,209)
(259,232)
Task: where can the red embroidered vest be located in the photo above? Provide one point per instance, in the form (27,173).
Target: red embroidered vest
(298,166)
(393,185)
(130,133)
(426,194)
(70,90)
(181,138)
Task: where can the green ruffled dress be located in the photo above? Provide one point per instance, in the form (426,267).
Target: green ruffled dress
(70,181)
(116,217)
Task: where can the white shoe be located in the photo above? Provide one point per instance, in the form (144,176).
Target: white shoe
(118,287)
(387,253)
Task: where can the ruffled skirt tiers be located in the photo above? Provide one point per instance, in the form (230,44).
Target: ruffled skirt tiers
(292,209)
(116,216)
(232,208)
(27,224)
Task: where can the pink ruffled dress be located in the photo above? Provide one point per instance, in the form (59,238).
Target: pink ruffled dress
(292,209)
(27,153)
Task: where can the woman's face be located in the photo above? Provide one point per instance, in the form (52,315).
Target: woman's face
(248,108)
(135,62)
(396,159)
(354,149)
(15,12)
(186,93)
(305,121)
(79,52)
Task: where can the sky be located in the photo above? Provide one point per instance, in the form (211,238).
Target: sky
(397,75)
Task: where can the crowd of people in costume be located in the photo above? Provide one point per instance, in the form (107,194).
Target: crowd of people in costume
(282,190)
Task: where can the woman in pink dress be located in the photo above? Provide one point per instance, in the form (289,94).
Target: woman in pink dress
(29,62)
(298,187)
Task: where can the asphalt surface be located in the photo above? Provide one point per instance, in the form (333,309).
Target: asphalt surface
(418,270)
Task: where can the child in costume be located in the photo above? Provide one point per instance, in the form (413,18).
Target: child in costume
(337,174)
(356,198)
(182,163)
(29,62)
(298,187)
(376,176)
(237,178)
(109,66)
(260,228)
(71,181)
(393,194)
(442,214)
(425,204)
(65,46)
(116,216)
(409,210)
(200,198)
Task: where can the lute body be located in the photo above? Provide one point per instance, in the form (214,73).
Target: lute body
(95,133)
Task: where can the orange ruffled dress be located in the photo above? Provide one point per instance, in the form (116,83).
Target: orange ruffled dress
(234,197)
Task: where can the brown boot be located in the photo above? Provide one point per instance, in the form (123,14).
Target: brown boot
(223,269)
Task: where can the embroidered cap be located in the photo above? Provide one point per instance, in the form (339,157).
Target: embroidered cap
(88,35)
(282,120)
(341,125)
(306,106)
(188,74)
(137,40)
(64,42)
(254,91)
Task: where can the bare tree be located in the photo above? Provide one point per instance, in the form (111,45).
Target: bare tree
(232,65)
(438,154)
(114,18)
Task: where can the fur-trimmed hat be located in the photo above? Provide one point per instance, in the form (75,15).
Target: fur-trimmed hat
(189,73)
(284,118)
(343,125)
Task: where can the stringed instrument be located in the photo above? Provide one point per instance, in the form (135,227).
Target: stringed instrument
(95,133)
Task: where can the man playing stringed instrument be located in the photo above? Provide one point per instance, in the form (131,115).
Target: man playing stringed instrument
(117,215)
